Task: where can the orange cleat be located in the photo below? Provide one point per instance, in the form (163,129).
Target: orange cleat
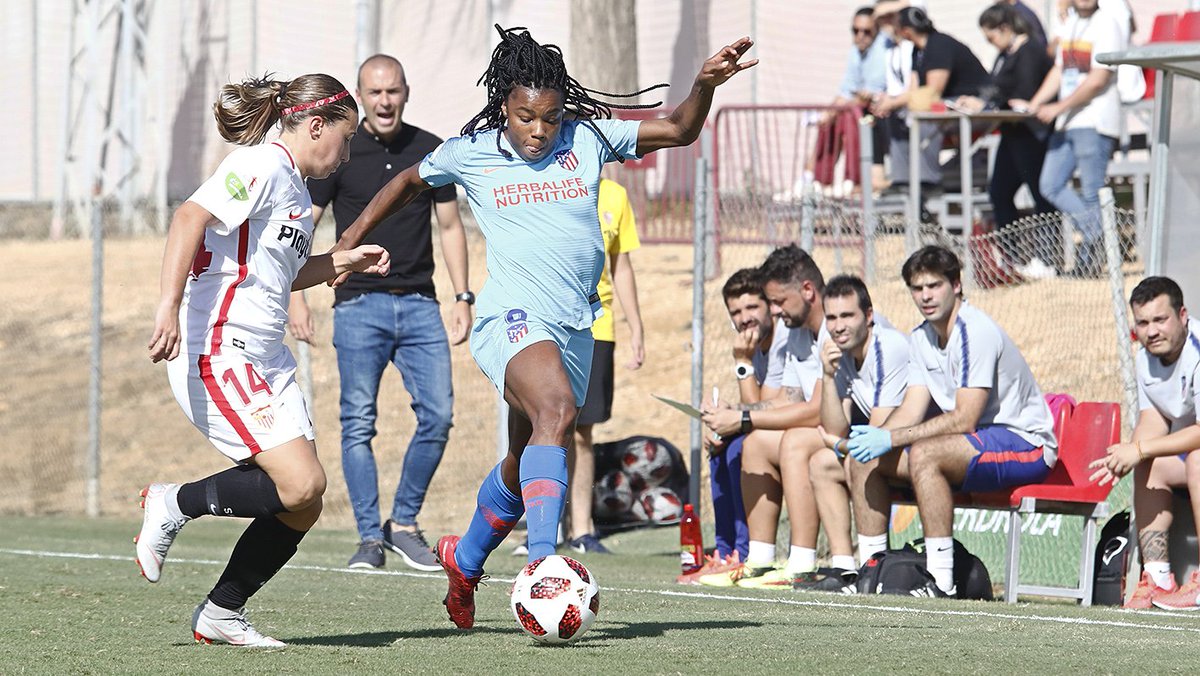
(1147,591)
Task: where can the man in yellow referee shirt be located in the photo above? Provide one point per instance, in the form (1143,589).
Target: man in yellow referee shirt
(620,237)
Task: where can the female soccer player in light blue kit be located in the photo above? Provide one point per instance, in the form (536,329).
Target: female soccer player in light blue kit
(530,162)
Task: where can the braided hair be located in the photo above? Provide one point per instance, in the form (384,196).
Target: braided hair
(520,61)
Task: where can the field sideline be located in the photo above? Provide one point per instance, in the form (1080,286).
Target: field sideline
(73,603)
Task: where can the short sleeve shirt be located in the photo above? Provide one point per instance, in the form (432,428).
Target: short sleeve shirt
(881,380)
(979,354)
(942,52)
(619,230)
(1172,389)
(544,247)
(769,365)
(1080,41)
(803,367)
(406,234)
(236,297)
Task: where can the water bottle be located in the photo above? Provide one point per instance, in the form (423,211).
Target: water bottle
(691,542)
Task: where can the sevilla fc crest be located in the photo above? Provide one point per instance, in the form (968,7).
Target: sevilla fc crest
(566,159)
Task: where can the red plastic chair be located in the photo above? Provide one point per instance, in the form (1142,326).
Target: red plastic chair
(1090,430)
(1164,29)
(1189,27)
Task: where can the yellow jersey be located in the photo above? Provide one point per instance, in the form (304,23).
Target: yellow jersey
(620,236)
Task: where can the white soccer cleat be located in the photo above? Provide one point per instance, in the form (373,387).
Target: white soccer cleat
(159,528)
(214,624)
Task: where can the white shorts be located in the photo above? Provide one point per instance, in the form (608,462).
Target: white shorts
(241,405)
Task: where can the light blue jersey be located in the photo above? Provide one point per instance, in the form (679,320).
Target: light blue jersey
(544,248)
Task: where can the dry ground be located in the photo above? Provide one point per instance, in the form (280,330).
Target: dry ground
(1064,327)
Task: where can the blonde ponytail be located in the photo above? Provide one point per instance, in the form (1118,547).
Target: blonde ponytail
(247,110)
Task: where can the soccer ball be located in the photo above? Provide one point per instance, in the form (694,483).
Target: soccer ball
(647,462)
(555,599)
(612,495)
(658,505)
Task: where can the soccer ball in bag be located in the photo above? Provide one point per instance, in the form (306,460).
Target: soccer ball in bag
(647,463)
(659,505)
(555,599)
(613,495)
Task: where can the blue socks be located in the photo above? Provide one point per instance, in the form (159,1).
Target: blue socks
(543,487)
(495,515)
(543,475)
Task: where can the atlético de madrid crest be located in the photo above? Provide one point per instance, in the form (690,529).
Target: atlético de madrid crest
(566,159)
(517,328)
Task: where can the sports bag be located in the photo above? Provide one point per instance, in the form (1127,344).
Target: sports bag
(902,571)
(1112,560)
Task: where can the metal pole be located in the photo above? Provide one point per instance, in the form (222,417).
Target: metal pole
(807,234)
(366,29)
(304,364)
(699,254)
(866,145)
(92,188)
(130,107)
(254,37)
(968,202)
(913,226)
(1157,203)
(1116,284)
(57,224)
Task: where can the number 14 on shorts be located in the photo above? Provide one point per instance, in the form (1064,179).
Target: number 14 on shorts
(255,381)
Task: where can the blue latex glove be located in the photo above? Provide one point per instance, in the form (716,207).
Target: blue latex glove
(867,443)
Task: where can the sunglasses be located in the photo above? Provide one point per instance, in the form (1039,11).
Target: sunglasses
(862,31)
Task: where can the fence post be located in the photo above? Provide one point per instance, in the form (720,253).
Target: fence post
(1116,284)
(807,236)
(699,268)
(866,145)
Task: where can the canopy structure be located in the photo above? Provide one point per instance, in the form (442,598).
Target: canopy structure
(1172,226)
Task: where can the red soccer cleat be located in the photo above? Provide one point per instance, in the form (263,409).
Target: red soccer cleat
(460,598)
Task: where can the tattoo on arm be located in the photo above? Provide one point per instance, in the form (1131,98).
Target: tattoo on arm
(758,405)
(793,394)
(1154,545)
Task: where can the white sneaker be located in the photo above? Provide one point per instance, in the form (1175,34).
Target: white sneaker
(214,624)
(1036,269)
(159,528)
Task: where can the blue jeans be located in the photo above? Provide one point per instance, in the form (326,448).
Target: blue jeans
(1089,151)
(369,331)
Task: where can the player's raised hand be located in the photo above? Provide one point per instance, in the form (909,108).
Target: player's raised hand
(724,64)
(164,342)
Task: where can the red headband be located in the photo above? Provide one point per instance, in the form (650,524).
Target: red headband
(314,104)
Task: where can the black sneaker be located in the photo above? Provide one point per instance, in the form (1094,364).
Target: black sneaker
(411,546)
(833,580)
(369,555)
(588,544)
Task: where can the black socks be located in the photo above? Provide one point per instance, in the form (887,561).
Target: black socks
(262,550)
(244,491)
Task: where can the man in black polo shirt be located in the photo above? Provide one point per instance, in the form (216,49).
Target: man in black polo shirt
(394,319)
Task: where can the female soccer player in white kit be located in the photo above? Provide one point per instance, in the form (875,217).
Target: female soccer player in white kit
(235,251)
(530,163)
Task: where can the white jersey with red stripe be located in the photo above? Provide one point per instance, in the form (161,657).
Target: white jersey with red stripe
(237,294)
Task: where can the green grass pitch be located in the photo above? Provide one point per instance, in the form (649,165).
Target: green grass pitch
(71,601)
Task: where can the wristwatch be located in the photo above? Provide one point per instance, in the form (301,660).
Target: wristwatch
(747,423)
(743,370)
(466,297)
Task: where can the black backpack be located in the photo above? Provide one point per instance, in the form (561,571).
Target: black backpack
(1112,560)
(902,571)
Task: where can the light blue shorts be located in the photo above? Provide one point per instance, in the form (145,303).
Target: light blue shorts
(497,339)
